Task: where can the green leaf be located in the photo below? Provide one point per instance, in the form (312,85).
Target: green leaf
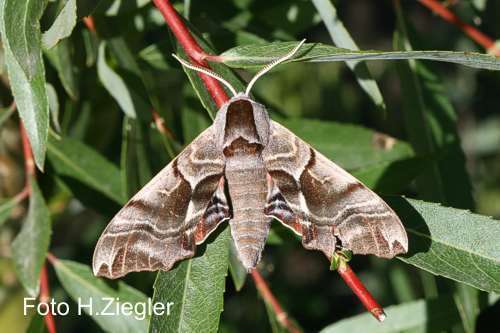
(352,147)
(196,287)
(84,288)
(6,207)
(5,113)
(37,324)
(262,54)
(62,26)
(74,159)
(53,106)
(30,246)
(236,268)
(450,242)
(20,32)
(61,58)
(114,84)
(391,177)
(342,38)
(427,316)
(134,160)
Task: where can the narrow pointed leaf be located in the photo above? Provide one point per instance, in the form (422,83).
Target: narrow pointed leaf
(196,287)
(342,38)
(20,31)
(74,159)
(262,54)
(114,84)
(62,26)
(84,288)
(30,246)
(61,59)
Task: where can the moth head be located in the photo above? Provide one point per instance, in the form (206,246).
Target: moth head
(241,117)
(259,74)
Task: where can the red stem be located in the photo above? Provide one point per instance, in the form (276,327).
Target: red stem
(160,125)
(476,35)
(29,163)
(359,289)
(89,23)
(45,298)
(270,299)
(192,48)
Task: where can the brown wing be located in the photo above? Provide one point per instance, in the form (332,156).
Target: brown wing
(165,220)
(322,202)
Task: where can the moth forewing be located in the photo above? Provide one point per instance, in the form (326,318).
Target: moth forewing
(161,223)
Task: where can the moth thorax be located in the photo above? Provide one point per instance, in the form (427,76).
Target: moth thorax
(240,123)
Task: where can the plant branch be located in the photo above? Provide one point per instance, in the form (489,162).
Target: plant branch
(45,299)
(476,35)
(270,299)
(192,49)
(359,289)
(29,163)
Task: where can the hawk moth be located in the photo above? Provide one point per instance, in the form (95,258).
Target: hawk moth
(248,170)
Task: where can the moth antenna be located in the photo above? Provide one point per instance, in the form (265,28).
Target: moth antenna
(206,71)
(271,65)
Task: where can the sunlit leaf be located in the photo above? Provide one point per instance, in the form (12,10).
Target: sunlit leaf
(84,288)
(114,84)
(262,54)
(20,32)
(450,242)
(74,159)
(30,246)
(62,26)
(196,287)
(342,38)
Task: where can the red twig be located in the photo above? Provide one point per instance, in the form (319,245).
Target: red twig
(359,289)
(45,298)
(270,299)
(30,170)
(89,23)
(160,125)
(476,35)
(192,48)
(29,163)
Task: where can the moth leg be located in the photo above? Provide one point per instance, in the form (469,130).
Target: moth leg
(216,212)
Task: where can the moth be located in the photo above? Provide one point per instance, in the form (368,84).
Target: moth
(248,170)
